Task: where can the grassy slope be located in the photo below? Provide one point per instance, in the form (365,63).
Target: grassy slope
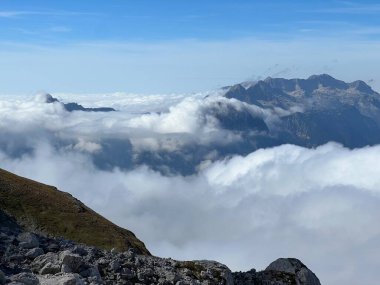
(44,208)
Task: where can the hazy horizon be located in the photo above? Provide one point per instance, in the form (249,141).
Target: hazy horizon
(155,47)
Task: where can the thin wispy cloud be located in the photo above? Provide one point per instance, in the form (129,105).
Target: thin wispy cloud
(60,29)
(375,30)
(12,14)
(352,8)
(21,13)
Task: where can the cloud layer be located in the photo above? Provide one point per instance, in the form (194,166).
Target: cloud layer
(320,205)
(172,134)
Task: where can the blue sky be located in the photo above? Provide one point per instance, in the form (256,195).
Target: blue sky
(181,46)
(148,20)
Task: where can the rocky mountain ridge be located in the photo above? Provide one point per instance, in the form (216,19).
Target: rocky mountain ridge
(320,109)
(30,259)
(199,131)
(267,113)
(71,106)
(33,252)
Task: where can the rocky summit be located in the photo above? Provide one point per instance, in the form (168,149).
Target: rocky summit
(71,106)
(317,110)
(32,259)
(33,251)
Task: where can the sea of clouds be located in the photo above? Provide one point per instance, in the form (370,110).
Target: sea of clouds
(319,205)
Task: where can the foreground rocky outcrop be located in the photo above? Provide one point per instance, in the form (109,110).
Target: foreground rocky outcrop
(37,221)
(281,271)
(28,258)
(32,259)
(44,209)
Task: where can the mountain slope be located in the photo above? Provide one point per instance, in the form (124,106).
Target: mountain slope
(319,109)
(45,209)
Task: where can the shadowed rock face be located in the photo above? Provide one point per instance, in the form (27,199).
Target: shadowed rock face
(44,209)
(76,107)
(283,271)
(303,275)
(280,91)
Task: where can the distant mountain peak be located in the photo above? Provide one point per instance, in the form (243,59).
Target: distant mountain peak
(361,86)
(323,76)
(44,97)
(315,84)
(70,107)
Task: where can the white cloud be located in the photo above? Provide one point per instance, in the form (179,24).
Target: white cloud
(88,146)
(319,205)
(20,13)
(149,122)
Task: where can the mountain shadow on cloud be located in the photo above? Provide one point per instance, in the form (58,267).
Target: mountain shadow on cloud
(188,159)
(72,106)
(345,125)
(114,153)
(14,145)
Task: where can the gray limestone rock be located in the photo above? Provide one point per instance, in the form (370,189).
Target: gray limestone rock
(28,240)
(70,262)
(63,279)
(46,264)
(25,279)
(34,252)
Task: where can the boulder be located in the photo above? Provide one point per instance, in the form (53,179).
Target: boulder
(46,264)
(303,275)
(34,252)
(62,279)
(28,240)
(25,279)
(70,262)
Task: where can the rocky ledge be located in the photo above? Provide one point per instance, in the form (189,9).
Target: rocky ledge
(31,259)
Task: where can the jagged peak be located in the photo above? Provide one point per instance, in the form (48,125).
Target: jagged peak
(308,85)
(237,87)
(361,86)
(322,76)
(45,97)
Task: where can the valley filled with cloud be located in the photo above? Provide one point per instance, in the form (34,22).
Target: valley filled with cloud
(181,177)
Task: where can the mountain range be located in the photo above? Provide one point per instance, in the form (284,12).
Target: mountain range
(237,120)
(72,106)
(321,109)
(275,111)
